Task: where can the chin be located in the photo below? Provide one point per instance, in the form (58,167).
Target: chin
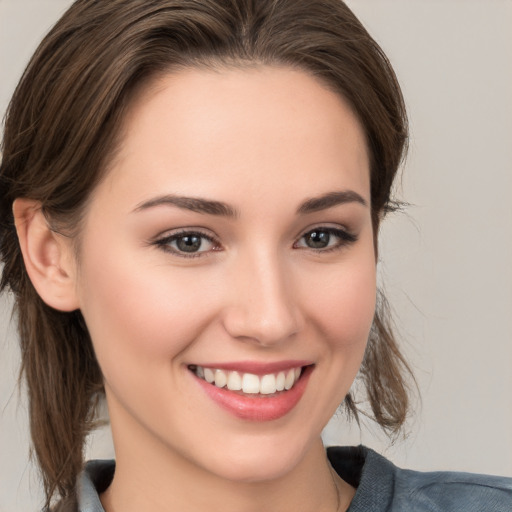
(257,459)
(256,467)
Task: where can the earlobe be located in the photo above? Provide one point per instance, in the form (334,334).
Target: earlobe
(48,256)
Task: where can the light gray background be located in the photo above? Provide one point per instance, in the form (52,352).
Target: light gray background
(446,262)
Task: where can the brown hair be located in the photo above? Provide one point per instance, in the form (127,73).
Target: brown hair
(62,126)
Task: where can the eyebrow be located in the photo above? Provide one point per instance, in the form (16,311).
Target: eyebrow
(194,204)
(210,207)
(329,200)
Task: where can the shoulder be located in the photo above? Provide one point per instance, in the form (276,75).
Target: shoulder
(453,491)
(95,478)
(381,486)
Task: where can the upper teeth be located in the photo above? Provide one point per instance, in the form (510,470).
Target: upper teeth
(249,382)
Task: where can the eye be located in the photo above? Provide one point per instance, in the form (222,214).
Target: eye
(187,243)
(325,238)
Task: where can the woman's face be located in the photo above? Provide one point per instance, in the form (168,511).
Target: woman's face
(231,240)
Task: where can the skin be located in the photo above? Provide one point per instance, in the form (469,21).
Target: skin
(263,141)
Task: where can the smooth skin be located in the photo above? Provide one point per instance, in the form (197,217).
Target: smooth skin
(258,279)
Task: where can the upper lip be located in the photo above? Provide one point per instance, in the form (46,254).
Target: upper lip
(256,367)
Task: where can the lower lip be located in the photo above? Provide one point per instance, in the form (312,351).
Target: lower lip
(258,407)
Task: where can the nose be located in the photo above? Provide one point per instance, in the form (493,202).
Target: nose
(262,307)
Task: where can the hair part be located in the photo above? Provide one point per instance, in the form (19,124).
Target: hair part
(64,124)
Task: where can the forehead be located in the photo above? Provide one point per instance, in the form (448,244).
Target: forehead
(204,131)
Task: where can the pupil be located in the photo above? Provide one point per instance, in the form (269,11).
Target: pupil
(189,243)
(318,239)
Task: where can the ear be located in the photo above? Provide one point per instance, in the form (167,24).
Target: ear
(48,256)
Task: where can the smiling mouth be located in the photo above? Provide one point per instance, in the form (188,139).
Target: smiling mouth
(249,383)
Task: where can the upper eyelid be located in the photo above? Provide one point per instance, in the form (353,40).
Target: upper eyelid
(343,233)
(170,233)
(163,240)
(207,233)
(325,225)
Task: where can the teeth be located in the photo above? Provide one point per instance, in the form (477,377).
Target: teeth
(248,382)
(281,377)
(221,378)
(234,381)
(209,376)
(268,384)
(290,379)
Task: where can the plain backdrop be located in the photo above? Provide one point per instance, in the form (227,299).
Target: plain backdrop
(445,262)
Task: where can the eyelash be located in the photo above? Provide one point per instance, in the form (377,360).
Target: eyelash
(344,238)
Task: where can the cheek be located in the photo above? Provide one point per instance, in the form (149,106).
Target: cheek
(341,313)
(345,308)
(139,313)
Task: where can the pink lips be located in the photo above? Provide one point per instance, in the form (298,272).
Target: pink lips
(258,407)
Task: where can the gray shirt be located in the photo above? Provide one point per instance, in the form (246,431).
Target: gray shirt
(381,486)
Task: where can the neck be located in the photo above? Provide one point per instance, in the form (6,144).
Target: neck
(158,479)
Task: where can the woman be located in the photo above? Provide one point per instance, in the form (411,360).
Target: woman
(183,237)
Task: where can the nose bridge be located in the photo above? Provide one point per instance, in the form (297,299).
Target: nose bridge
(263,306)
